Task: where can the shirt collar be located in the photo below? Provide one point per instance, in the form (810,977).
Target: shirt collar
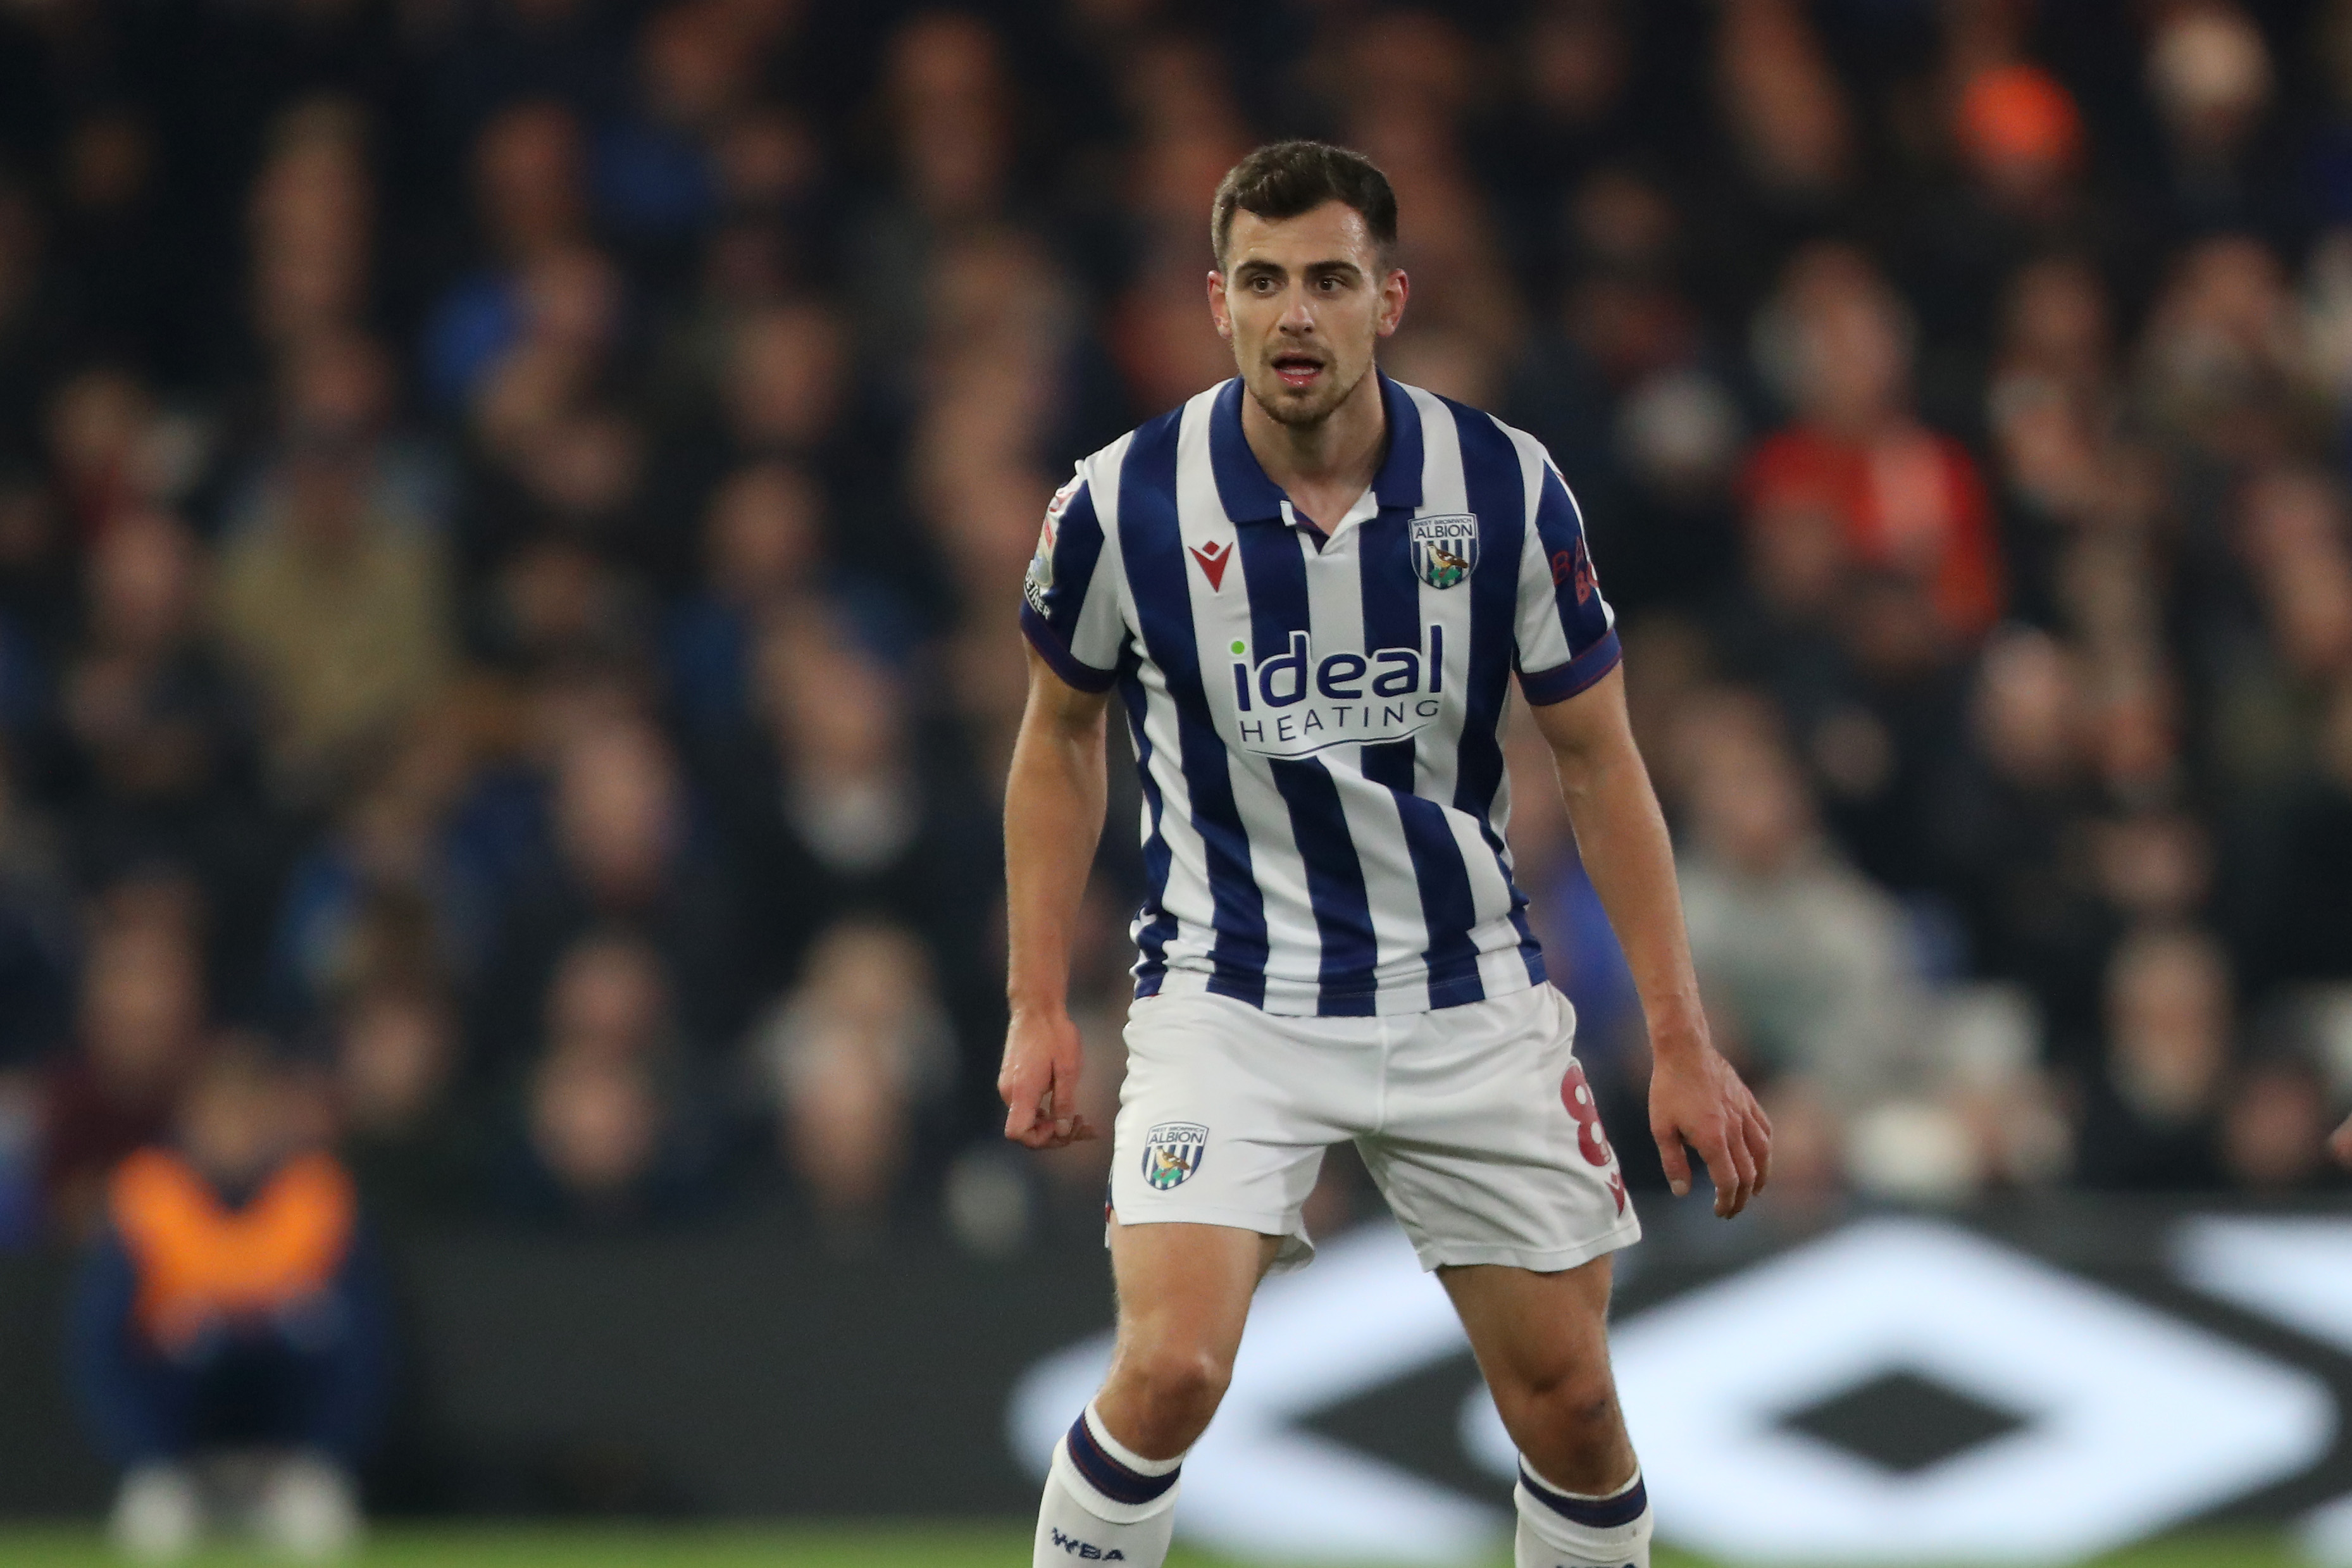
(1248,496)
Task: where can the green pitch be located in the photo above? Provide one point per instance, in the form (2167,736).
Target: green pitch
(892,1546)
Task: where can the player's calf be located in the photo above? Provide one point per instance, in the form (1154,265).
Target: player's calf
(1567,1427)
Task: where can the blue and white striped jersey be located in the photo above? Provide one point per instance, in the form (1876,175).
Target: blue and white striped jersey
(1316,721)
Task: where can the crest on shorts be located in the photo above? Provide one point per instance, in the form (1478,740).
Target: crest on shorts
(1445,548)
(1172,1152)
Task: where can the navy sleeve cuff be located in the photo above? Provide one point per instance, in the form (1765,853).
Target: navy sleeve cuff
(1055,652)
(1558,684)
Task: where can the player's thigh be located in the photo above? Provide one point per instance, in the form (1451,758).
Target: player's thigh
(1542,1342)
(1183,1296)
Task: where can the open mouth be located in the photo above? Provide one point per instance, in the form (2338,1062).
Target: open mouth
(1297,371)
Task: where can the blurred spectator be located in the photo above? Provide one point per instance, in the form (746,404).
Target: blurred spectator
(528,186)
(2009,825)
(1788,119)
(948,117)
(232,1307)
(411,1142)
(2303,925)
(2210,76)
(610,998)
(596,1129)
(36,932)
(784,386)
(312,216)
(627,854)
(340,613)
(2051,402)
(789,392)
(142,1022)
(613,1134)
(108,241)
(2151,1114)
(2276,649)
(336,389)
(159,769)
(655,175)
(2021,139)
(1806,963)
(2217,369)
(36,331)
(2275,1126)
(849,1056)
(833,802)
(160,732)
(113,447)
(760,554)
(1909,502)
(388,895)
(848,794)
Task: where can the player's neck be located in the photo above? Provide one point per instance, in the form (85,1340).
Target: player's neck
(1325,465)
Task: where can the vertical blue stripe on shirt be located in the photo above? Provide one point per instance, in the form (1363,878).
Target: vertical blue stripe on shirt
(1242,487)
(1277,576)
(1152,544)
(1560,525)
(1392,592)
(1399,482)
(1152,940)
(1078,546)
(1496,491)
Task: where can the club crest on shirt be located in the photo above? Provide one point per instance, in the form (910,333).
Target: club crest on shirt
(1445,548)
(1172,1152)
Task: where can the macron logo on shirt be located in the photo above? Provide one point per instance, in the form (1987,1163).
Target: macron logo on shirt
(1213,557)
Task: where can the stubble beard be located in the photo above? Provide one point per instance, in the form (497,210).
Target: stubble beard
(1306,416)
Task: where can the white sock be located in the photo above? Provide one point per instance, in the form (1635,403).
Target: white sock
(1569,1530)
(1104,1502)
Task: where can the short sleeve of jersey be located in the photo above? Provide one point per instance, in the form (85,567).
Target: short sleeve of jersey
(1069,607)
(1566,633)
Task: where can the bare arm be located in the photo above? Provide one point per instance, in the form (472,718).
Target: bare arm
(1053,817)
(1693,1093)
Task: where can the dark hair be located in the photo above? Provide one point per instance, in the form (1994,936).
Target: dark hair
(1285,179)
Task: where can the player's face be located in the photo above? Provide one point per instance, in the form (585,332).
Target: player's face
(1303,300)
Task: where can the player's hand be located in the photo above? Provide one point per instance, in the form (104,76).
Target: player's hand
(2339,1143)
(1696,1098)
(1039,1082)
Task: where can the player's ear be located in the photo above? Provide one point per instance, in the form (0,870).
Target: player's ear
(1395,288)
(1218,313)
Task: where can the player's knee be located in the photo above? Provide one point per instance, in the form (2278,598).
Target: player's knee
(1575,1408)
(1180,1381)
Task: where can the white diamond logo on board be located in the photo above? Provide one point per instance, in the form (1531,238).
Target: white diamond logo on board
(2133,1421)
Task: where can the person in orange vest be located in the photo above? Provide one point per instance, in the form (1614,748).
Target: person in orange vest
(231,1330)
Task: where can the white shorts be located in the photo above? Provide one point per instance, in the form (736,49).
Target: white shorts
(1476,1121)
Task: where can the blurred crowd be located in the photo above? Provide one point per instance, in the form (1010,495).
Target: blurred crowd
(510,513)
